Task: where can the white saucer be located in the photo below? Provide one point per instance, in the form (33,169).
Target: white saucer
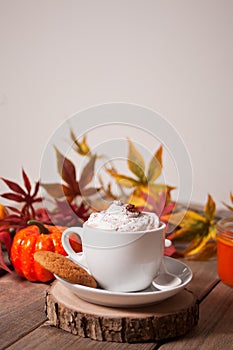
(147,296)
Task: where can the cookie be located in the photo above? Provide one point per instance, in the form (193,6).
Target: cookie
(64,268)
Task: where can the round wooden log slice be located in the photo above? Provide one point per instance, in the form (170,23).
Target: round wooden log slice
(171,318)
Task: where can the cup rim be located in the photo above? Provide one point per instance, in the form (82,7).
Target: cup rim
(161,226)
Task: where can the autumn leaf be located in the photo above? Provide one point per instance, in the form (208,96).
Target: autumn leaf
(124,180)
(87,173)
(55,190)
(81,147)
(26,196)
(69,215)
(107,190)
(66,169)
(136,162)
(155,166)
(142,183)
(72,187)
(159,206)
(198,231)
(186,219)
(5,239)
(17,218)
(227,205)
(210,209)
(202,247)
(155,190)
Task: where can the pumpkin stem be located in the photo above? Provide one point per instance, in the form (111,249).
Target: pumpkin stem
(41,227)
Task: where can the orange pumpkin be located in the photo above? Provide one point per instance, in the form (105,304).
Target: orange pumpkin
(31,239)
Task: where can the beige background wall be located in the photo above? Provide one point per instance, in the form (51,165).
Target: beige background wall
(60,56)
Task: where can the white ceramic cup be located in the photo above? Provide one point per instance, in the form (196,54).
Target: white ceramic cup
(119,261)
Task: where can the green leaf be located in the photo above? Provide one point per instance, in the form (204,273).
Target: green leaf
(136,162)
(155,166)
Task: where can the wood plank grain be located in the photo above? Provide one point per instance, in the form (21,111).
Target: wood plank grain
(205,276)
(22,307)
(215,329)
(46,337)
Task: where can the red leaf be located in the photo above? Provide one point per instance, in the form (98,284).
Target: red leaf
(87,173)
(15,210)
(37,185)
(170,251)
(169,208)
(5,238)
(55,190)
(27,183)
(2,262)
(14,186)
(66,169)
(90,191)
(37,200)
(20,195)
(12,218)
(4,228)
(13,197)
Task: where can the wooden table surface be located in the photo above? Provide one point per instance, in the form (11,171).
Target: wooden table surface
(23,323)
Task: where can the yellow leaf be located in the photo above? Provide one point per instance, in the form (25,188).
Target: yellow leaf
(81,147)
(210,208)
(136,200)
(207,252)
(156,189)
(213,232)
(185,218)
(197,243)
(200,244)
(183,235)
(192,218)
(231,196)
(227,205)
(107,190)
(124,180)
(155,166)
(136,162)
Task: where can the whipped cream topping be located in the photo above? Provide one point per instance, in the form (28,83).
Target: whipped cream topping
(124,218)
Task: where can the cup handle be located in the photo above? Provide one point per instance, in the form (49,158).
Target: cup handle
(78,258)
